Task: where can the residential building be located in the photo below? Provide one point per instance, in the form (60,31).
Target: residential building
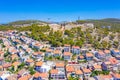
(67,55)
(89,56)
(66,48)
(75,49)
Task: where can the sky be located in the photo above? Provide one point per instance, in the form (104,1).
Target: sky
(58,10)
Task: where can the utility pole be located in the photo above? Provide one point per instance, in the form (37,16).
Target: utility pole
(48,20)
(78,20)
(78,17)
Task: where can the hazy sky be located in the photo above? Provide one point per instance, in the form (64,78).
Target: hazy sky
(58,10)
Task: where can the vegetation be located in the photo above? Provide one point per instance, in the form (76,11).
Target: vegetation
(4,28)
(73,78)
(11,69)
(1,41)
(25,22)
(48,58)
(81,21)
(96,73)
(82,61)
(75,36)
(21,65)
(6,54)
(74,56)
(31,69)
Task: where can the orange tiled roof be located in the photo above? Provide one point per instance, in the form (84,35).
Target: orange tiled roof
(1,67)
(26,77)
(49,50)
(39,63)
(14,56)
(116,50)
(7,47)
(14,50)
(16,63)
(89,54)
(107,51)
(37,53)
(28,49)
(17,40)
(10,31)
(37,74)
(54,71)
(6,65)
(44,75)
(97,67)
(37,44)
(106,76)
(1,52)
(81,56)
(108,62)
(67,54)
(23,36)
(29,60)
(1,58)
(66,45)
(85,70)
(101,52)
(12,77)
(113,60)
(57,52)
(116,75)
(70,69)
(78,72)
(77,47)
(21,71)
(59,64)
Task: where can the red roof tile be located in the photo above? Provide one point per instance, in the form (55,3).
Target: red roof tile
(67,54)
(39,63)
(70,69)
(16,63)
(54,71)
(116,75)
(85,70)
(78,72)
(77,47)
(113,60)
(107,51)
(66,45)
(89,54)
(57,52)
(29,60)
(116,50)
(59,64)
(97,66)
(6,65)
(101,52)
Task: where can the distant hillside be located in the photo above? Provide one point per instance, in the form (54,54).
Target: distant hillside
(114,23)
(105,19)
(21,22)
(111,20)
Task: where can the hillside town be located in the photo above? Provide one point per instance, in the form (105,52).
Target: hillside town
(23,58)
(59,39)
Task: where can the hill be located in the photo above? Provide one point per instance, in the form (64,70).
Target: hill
(114,23)
(111,20)
(22,22)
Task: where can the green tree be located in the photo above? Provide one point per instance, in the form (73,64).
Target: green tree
(32,71)
(21,65)
(104,44)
